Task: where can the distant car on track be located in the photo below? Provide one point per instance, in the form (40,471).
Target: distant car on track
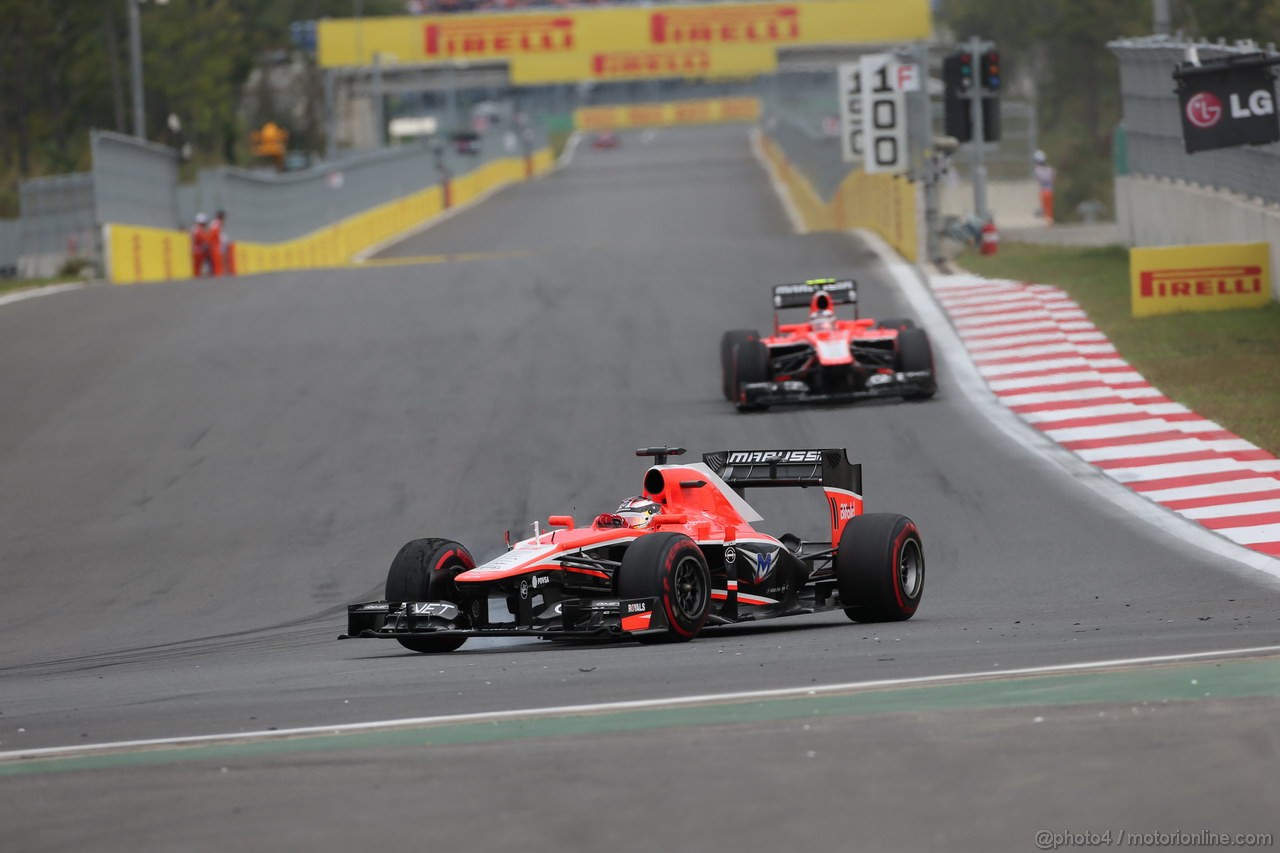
(605,139)
(680,556)
(826,359)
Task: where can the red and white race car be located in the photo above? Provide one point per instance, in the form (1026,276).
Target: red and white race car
(682,555)
(605,139)
(826,359)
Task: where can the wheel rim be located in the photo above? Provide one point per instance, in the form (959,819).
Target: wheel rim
(688,588)
(910,568)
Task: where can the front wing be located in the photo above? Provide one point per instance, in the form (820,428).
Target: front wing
(795,392)
(582,618)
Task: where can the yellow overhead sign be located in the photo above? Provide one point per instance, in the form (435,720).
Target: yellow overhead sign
(1209,277)
(625,42)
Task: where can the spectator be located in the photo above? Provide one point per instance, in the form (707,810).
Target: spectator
(1045,176)
(199,245)
(217,257)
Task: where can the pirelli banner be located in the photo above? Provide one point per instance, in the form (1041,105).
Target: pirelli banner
(711,111)
(1210,277)
(623,42)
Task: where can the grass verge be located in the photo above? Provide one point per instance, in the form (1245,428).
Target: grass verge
(1224,365)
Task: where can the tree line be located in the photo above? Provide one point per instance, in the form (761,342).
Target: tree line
(64,69)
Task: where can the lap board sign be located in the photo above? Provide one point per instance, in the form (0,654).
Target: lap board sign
(849,83)
(884,121)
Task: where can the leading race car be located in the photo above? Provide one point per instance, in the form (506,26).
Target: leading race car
(827,359)
(680,556)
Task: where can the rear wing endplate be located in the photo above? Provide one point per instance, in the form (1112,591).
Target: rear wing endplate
(752,469)
(843,292)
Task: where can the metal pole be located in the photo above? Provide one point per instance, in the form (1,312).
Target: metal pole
(975,47)
(379,118)
(135,68)
(452,97)
(922,159)
(330,116)
(1160,9)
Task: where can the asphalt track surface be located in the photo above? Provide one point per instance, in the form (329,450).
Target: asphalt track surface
(196,477)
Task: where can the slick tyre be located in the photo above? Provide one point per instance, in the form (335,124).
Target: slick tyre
(424,571)
(899,323)
(915,354)
(880,568)
(669,567)
(751,363)
(728,343)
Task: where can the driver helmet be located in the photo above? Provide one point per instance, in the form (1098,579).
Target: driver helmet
(823,320)
(638,511)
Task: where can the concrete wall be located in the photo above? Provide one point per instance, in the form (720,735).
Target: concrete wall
(1013,204)
(1155,212)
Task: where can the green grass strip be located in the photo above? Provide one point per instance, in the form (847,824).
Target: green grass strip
(1187,682)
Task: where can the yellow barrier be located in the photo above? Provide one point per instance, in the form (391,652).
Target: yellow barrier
(711,111)
(884,204)
(136,254)
(153,254)
(1205,277)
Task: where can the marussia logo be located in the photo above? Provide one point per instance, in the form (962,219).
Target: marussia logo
(1204,109)
(752,457)
(764,565)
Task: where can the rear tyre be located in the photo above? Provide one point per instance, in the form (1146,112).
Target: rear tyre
(671,568)
(751,363)
(424,571)
(899,323)
(728,343)
(880,568)
(915,354)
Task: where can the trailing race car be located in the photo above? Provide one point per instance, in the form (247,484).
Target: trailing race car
(681,556)
(826,359)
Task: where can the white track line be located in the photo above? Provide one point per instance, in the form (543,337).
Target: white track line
(634,705)
(48,290)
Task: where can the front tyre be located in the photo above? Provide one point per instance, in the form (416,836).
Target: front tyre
(880,568)
(751,363)
(916,355)
(729,342)
(671,568)
(424,571)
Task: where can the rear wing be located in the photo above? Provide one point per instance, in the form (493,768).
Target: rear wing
(840,479)
(753,469)
(844,292)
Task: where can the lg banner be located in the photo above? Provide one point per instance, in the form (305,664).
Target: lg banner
(1227,102)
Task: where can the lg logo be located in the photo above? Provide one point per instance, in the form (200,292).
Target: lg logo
(1204,109)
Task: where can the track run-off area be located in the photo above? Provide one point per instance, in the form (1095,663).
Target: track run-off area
(197,477)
